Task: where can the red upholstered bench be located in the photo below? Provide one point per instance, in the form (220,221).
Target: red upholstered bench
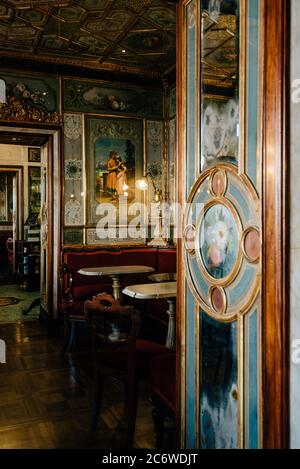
(77,288)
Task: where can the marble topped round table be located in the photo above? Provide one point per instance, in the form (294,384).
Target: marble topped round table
(156,291)
(115,273)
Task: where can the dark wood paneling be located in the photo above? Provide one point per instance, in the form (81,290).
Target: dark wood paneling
(275,212)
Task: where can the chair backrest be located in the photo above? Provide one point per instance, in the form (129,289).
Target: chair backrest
(10,249)
(112,324)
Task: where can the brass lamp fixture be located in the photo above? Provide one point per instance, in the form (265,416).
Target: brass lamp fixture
(142,184)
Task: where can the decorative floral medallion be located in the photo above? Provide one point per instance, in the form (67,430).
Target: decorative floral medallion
(72,126)
(222,242)
(73,170)
(219,241)
(73,213)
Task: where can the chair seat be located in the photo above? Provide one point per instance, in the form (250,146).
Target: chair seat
(145,352)
(163,379)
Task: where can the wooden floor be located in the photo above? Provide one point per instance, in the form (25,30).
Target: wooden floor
(45,400)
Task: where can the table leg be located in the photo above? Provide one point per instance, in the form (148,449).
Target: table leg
(117,294)
(117,290)
(171,338)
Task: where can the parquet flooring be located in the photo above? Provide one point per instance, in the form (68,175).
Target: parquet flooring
(45,400)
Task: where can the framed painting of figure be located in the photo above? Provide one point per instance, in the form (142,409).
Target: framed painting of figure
(115,161)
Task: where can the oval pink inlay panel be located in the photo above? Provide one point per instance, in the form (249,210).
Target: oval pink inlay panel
(218,300)
(190,235)
(218,184)
(252,245)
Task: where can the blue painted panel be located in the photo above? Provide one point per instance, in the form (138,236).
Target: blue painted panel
(191,94)
(190,370)
(218,384)
(238,196)
(238,292)
(198,278)
(253,382)
(253,80)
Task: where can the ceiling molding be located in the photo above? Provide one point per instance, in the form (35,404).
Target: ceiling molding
(122,36)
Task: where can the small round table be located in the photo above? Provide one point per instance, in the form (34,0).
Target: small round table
(116,273)
(156,291)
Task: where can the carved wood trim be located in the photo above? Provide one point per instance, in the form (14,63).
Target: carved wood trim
(275,222)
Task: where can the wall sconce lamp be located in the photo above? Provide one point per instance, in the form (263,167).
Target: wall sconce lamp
(142,185)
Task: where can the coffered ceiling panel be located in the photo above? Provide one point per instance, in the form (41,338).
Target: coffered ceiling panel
(134,36)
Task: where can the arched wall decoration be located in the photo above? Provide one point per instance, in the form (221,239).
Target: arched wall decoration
(225,268)
(15,110)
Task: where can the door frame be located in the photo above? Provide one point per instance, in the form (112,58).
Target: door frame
(54,196)
(275,226)
(275,208)
(18,172)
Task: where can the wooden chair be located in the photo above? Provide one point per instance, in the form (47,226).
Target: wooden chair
(125,357)
(73,311)
(163,392)
(10,253)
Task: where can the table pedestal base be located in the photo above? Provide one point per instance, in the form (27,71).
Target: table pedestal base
(171,338)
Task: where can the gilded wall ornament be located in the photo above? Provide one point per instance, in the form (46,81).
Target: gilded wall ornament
(16,110)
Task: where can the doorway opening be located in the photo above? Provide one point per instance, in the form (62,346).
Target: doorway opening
(27,263)
(8,225)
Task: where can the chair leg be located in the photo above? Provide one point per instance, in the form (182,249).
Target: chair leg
(158,417)
(72,336)
(97,401)
(67,328)
(131,394)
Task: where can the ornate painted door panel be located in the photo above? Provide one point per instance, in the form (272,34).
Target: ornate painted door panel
(221,248)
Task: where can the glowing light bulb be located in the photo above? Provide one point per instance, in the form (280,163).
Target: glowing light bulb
(142,184)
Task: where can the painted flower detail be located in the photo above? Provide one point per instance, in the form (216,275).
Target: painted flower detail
(219,235)
(37,96)
(73,170)
(20,87)
(219,241)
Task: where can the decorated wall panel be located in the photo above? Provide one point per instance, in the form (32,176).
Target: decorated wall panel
(222,224)
(95,98)
(155,157)
(37,98)
(73,170)
(40,91)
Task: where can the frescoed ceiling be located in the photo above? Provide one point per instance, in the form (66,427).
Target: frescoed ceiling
(134,36)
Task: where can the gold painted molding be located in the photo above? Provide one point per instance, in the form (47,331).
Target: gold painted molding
(16,110)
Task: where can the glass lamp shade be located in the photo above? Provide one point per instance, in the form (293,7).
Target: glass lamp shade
(142,184)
